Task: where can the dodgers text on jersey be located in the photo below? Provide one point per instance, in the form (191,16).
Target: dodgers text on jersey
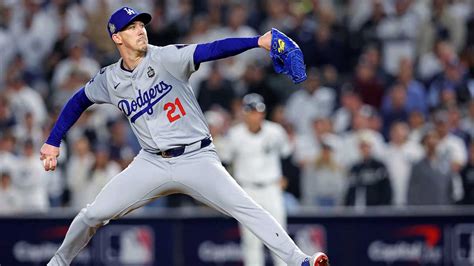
(147,99)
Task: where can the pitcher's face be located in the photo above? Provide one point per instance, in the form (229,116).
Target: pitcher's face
(133,37)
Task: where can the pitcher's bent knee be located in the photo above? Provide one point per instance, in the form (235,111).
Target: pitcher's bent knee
(93,218)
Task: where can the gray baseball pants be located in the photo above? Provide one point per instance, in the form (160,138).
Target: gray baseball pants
(199,174)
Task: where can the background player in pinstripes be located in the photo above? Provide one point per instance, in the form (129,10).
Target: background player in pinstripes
(149,84)
(255,149)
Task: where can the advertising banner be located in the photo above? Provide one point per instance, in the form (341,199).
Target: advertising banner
(358,240)
(128,242)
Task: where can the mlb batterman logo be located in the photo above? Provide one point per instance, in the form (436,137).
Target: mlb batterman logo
(310,237)
(127,245)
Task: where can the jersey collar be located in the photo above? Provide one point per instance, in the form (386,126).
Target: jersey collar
(138,71)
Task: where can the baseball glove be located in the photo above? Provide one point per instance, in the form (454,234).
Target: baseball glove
(287,57)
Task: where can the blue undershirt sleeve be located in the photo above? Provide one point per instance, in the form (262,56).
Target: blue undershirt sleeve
(223,48)
(69,115)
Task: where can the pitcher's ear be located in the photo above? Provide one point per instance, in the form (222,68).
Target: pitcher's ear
(117,38)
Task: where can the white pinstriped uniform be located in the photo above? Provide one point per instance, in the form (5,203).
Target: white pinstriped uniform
(256,159)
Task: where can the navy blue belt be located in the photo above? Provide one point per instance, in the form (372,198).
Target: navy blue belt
(175,152)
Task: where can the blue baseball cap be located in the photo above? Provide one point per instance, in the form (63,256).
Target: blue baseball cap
(124,16)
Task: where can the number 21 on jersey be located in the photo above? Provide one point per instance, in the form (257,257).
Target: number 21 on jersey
(172,112)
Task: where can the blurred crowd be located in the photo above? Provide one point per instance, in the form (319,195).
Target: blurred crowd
(386,116)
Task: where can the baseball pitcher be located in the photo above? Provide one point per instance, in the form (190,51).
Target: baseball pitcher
(150,86)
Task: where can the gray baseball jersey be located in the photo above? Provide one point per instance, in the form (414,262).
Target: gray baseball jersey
(156,97)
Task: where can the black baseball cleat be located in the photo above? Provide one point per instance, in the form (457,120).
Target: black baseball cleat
(318,259)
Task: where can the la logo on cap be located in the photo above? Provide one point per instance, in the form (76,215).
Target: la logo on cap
(129,11)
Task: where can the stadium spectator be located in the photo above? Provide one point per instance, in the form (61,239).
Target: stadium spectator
(358,12)
(105,50)
(364,39)
(8,50)
(18,68)
(8,160)
(371,55)
(375,121)
(450,87)
(351,139)
(290,167)
(179,13)
(218,122)
(415,90)
(216,92)
(69,15)
(120,147)
(278,16)
(255,80)
(99,173)
(34,41)
(324,48)
(78,171)
(57,187)
(470,29)
(441,24)
(427,174)
(324,180)
(77,62)
(367,85)
(399,156)
(454,118)
(200,33)
(8,195)
(369,181)
(233,68)
(86,127)
(451,148)
(432,62)
(28,130)
(467,122)
(451,151)
(331,78)
(162,32)
(23,99)
(350,104)
(467,174)
(367,33)
(328,44)
(396,110)
(310,101)
(30,181)
(460,9)
(397,33)
(7,120)
(417,122)
(318,169)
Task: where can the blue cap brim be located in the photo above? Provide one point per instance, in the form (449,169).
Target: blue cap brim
(119,22)
(143,17)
